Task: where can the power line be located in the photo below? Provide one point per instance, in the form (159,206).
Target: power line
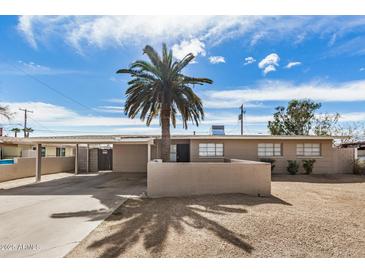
(50,87)
(46,128)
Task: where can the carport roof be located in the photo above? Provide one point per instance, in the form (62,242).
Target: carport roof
(77,140)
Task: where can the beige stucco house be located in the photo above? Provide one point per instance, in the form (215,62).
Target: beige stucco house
(129,153)
(208,148)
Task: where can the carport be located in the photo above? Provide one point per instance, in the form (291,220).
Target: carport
(133,142)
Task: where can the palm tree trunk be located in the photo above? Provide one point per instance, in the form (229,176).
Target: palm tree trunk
(165,127)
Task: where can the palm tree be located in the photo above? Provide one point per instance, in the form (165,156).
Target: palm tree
(158,88)
(16,131)
(27,130)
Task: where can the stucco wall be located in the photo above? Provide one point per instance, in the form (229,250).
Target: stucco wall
(183,179)
(130,158)
(25,167)
(332,160)
(247,150)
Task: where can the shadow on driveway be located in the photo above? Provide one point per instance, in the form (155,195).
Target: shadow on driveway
(110,188)
(150,221)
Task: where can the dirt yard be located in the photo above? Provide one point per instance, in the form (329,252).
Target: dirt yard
(307,216)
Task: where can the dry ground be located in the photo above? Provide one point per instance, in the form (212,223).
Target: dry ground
(307,216)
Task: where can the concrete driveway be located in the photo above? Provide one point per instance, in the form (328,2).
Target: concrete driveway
(49,219)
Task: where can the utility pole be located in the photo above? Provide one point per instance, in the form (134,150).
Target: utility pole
(25,120)
(241,116)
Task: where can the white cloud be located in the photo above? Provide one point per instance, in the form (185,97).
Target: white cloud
(116,31)
(25,26)
(249,60)
(217,59)
(283,91)
(110,109)
(269,68)
(269,63)
(193,46)
(22,67)
(292,64)
(51,115)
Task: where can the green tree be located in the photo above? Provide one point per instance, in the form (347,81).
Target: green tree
(16,131)
(159,89)
(296,119)
(326,124)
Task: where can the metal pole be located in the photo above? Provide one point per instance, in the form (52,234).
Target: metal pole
(77,159)
(87,159)
(241,118)
(25,120)
(38,163)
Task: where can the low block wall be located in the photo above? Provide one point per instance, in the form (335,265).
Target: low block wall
(185,179)
(25,167)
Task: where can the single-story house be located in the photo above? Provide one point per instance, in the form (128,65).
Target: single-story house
(198,164)
(130,153)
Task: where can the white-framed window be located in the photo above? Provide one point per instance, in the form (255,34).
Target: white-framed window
(173,153)
(309,149)
(269,150)
(60,152)
(210,150)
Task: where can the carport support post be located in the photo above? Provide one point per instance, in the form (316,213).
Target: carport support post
(77,159)
(87,158)
(148,152)
(38,163)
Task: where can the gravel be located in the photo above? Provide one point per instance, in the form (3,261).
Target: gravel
(306,216)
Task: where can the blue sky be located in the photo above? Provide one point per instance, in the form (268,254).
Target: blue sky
(63,68)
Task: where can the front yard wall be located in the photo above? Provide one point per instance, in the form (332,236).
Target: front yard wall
(184,179)
(25,167)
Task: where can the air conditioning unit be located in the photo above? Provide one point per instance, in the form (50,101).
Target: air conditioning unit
(217,130)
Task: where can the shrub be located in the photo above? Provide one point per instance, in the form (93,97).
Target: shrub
(308,165)
(269,160)
(293,167)
(359,167)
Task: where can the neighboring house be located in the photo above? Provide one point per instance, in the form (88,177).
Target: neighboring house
(10,148)
(359,146)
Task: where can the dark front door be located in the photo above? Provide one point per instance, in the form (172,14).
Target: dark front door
(182,153)
(105,159)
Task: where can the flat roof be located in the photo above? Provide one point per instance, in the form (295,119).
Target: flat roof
(148,139)
(76,140)
(254,137)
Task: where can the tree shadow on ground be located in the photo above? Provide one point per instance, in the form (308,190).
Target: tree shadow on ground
(151,220)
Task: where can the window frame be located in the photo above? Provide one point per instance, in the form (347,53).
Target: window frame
(60,152)
(211,150)
(262,147)
(308,147)
(173,151)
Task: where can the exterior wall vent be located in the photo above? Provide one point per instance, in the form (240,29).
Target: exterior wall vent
(217,130)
